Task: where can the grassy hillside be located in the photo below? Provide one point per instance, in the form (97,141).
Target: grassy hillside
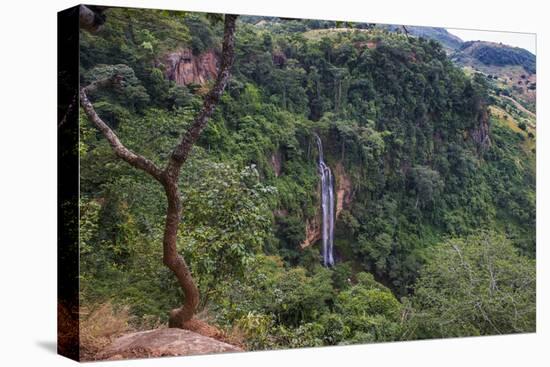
(490,53)
(513,68)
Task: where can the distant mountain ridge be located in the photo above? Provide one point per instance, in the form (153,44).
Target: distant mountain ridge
(496,54)
(510,68)
(467,53)
(449,41)
(446,38)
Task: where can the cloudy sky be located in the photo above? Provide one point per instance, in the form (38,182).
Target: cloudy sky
(523,40)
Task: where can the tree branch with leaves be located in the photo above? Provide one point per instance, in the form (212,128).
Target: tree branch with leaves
(168,176)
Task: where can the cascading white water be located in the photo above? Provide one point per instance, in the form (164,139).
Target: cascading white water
(327,206)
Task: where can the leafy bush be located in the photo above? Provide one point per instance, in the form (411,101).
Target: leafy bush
(478,285)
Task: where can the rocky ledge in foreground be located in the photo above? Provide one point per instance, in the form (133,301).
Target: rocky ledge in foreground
(164,342)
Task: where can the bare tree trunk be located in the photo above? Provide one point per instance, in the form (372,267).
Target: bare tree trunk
(169,177)
(174,261)
(179,155)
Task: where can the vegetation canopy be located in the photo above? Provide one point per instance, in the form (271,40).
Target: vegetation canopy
(199,159)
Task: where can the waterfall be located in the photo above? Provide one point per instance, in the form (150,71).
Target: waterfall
(327,206)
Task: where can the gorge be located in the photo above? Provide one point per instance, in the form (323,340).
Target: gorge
(370,141)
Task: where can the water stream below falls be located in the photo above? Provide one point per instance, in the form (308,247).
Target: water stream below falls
(327,206)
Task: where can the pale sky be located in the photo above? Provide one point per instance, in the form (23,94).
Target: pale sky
(523,40)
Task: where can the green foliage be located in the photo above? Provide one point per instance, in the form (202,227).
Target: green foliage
(478,285)
(131,93)
(202,36)
(369,314)
(395,115)
(226,220)
(427,185)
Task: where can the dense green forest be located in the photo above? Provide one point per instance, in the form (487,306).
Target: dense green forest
(435,236)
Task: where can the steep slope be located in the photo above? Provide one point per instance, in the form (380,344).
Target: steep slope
(494,54)
(416,156)
(512,68)
(449,41)
(185,68)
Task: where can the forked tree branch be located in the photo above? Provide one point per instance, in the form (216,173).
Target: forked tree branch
(181,151)
(120,149)
(169,176)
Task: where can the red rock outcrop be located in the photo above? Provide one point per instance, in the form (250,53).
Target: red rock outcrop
(279,58)
(313,231)
(276,162)
(185,68)
(343,189)
(164,342)
(480,134)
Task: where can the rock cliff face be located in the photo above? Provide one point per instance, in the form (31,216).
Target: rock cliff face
(276,162)
(164,342)
(185,68)
(343,189)
(343,200)
(481,133)
(313,231)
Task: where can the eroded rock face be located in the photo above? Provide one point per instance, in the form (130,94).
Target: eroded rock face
(164,342)
(276,162)
(313,231)
(185,68)
(343,189)
(481,133)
